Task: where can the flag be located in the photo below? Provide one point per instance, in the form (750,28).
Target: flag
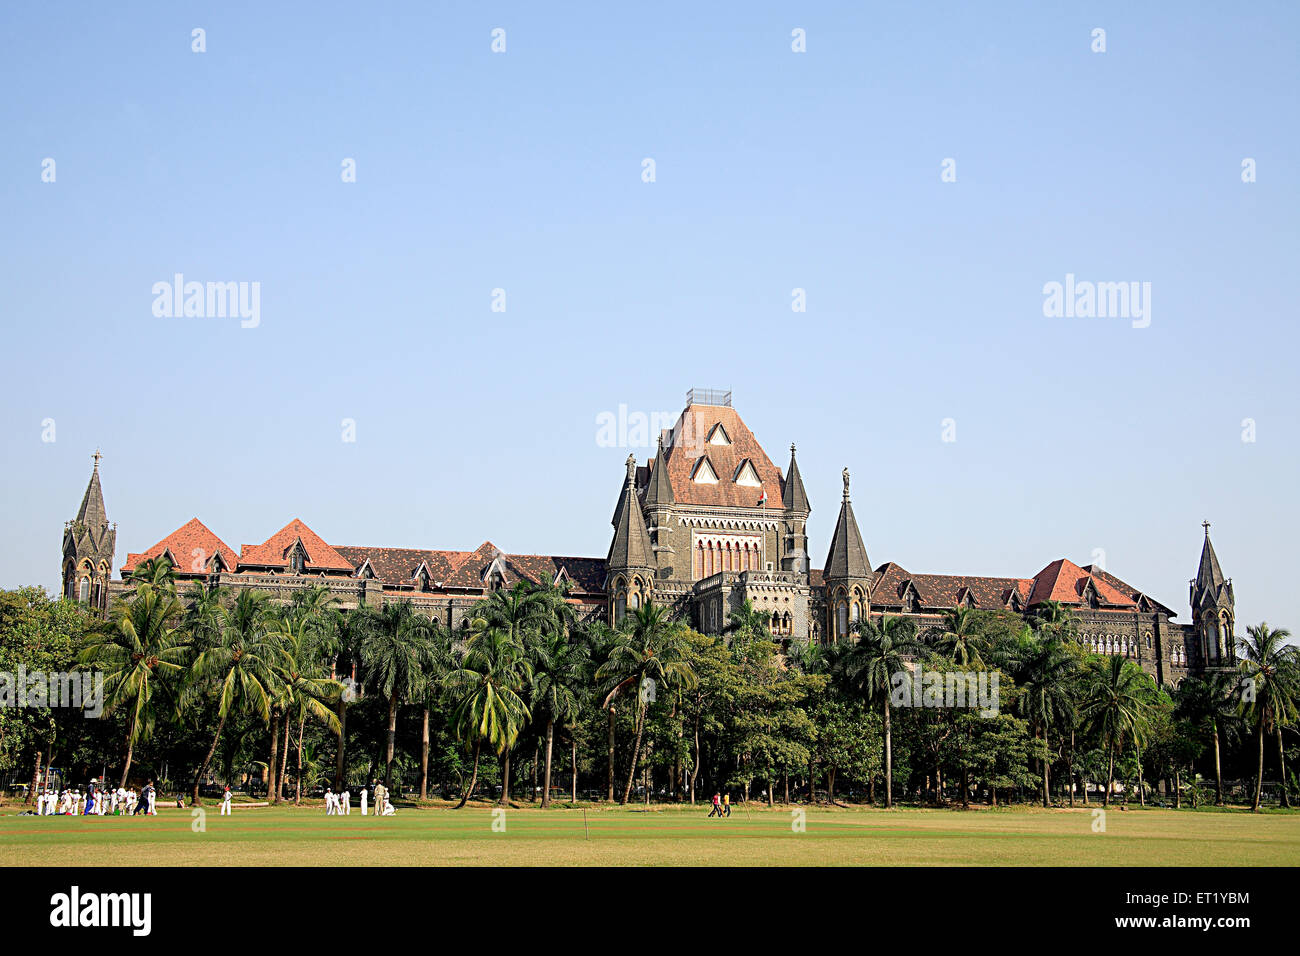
(763,500)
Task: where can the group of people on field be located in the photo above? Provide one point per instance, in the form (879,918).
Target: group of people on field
(96,801)
(340,804)
(721,805)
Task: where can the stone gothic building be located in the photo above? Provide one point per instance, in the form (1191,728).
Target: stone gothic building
(706,524)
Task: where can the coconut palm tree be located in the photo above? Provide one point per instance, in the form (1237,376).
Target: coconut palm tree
(306,644)
(1116,707)
(1053,619)
(487,707)
(1047,678)
(1209,705)
(442,661)
(747,620)
(140,650)
(559,671)
(956,638)
(242,662)
(883,650)
(1271,671)
(650,654)
(397,647)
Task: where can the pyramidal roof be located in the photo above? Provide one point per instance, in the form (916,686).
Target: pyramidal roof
(1210,581)
(794,497)
(92,513)
(700,431)
(847,557)
(659,492)
(631,546)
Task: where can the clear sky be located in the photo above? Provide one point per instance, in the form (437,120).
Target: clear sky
(774,170)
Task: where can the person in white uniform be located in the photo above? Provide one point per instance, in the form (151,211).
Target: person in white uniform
(347,801)
(225,802)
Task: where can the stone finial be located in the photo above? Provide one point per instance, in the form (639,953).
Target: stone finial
(846,484)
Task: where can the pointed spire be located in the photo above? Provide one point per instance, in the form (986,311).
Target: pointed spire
(659,493)
(847,557)
(1209,576)
(793,496)
(92,513)
(631,546)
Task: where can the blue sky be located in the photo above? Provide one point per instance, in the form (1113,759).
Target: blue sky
(774,171)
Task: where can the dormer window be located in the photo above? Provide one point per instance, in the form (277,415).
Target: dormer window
(703,472)
(746,475)
(718,435)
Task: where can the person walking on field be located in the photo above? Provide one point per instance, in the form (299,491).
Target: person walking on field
(717,806)
(726,804)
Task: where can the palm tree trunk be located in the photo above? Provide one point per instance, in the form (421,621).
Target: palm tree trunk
(1110,773)
(1259,781)
(1142,790)
(203,768)
(1218,772)
(424,756)
(574,742)
(473,777)
(392,738)
(284,763)
(1178,789)
(611,753)
(273,764)
(889,761)
(505,778)
(36,780)
(546,778)
(532,797)
(130,749)
(1281,763)
(636,750)
(340,764)
(1047,798)
(1069,769)
(297,780)
(695,768)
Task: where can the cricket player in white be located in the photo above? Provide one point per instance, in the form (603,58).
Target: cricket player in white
(225,802)
(347,801)
(329,802)
(363,801)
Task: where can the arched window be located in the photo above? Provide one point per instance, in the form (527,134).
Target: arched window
(842,622)
(83,592)
(699,560)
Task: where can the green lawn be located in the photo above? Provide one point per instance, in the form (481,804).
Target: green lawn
(432,837)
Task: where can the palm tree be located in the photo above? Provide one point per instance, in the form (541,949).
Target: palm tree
(1116,707)
(559,669)
(1048,682)
(140,649)
(487,707)
(747,620)
(882,651)
(157,572)
(651,653)
(441,662)
(1209,704)
(306,645)
(397,647)
(1052,618)
(956,638)
(242,662)
(1271,668)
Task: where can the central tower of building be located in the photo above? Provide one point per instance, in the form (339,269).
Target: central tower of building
(710,522)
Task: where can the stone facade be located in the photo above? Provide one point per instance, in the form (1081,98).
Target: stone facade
(705,525)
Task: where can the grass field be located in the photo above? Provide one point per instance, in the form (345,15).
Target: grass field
(263,836)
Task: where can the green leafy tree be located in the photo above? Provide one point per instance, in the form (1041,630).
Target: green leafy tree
(488,707)
(882,651)
(1272,670)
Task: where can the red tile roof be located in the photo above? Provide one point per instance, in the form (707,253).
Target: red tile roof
(947,590)
(274,552)
(689,444)
(1064,581)
(466,570)
(189,545)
